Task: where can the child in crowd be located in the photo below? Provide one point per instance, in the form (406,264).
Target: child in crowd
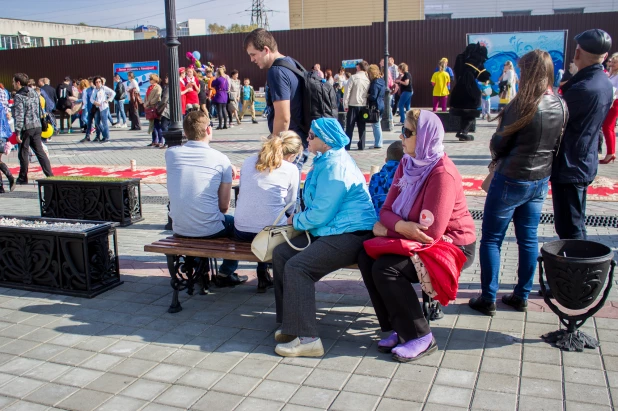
(486,92)
(381,182)
(247,95)
(441,81)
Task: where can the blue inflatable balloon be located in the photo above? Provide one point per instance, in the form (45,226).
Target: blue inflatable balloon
(197,55)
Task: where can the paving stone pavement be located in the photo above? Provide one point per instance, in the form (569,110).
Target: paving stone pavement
(123,351)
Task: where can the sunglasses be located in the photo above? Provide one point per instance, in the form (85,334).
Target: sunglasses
(407,133)
(310,136)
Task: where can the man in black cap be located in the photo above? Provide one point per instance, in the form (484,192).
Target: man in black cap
(589,96)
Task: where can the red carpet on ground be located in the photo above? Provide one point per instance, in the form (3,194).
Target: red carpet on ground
(602,189)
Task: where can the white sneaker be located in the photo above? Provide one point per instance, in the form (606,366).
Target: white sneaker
(295,349)
(124,125)
(280,337)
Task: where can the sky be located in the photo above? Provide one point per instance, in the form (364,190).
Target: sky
(131,13)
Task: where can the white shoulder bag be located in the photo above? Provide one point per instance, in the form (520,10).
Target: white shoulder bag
(270,237)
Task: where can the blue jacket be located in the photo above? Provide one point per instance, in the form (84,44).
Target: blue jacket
(377,88)
(589,96)
(336,197)
(380,183)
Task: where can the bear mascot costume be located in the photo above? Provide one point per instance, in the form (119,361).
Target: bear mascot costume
(466,95)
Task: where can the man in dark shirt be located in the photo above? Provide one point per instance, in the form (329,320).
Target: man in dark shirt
(284,88)
(588,95)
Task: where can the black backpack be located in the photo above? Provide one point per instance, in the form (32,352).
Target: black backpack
(319,97)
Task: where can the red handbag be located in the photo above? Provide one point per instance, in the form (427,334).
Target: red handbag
(152,113)
(379,246)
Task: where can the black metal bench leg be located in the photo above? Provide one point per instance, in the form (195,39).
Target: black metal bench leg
(185,273)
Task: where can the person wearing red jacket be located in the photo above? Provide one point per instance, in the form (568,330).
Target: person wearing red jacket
(426,203)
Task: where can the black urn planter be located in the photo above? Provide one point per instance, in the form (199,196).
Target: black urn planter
(82,262)
(576,272)
(98,199)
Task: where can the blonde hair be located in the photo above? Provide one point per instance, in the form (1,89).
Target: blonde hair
(221,71)
(374,72)
(154,77)
(403,67)
(442,64)
(276,148)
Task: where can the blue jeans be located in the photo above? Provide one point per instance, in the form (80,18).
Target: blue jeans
(522,201)
(405,100)
(157,132)
(377,132)
(101,120)
(247,238)
(119,108)
(227,266)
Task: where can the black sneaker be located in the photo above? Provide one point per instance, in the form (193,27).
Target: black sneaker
(254,121)
(265,281)
(2,190)
(519,304)
(97,139)
(231,280)
(485,307)
(83,140)
(21,182)
(12,183)
(464,137)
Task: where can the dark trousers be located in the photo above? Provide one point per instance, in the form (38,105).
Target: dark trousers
(466,125)
(388,280)
(32,139)
(354,118)
(5,170)
(134,116)
(570,210)
(296,272)
(222,113)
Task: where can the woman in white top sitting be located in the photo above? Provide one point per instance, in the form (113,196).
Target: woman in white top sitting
(268,182)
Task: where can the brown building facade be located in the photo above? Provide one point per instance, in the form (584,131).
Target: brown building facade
(312,14)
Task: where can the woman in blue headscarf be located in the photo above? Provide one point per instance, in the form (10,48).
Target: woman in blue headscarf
(339,217)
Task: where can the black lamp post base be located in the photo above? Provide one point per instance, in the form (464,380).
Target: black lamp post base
(174,137)
(570,340)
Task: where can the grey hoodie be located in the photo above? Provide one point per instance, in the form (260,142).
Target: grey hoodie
(26,110)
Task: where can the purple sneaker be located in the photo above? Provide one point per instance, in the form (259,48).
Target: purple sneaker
(415,349)
(387,344)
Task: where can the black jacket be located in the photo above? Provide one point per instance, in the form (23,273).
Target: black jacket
(121,91)
(50,92)
(528,154)
(589,96)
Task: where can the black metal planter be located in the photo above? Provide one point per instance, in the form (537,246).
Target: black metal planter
(76,263)
(576,271)
(117,201)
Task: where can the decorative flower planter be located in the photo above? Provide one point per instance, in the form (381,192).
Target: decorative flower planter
(91,198)
(58,256)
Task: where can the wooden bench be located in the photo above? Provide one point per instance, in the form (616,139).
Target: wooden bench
(187,273)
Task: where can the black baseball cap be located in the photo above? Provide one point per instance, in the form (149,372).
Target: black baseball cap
(595,41)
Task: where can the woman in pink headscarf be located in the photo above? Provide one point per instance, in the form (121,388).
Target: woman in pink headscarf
(426,204)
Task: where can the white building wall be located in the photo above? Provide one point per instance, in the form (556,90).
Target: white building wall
(197,27)
(10,27)
(481,8)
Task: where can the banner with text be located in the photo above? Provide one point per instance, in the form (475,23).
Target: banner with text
(142,71)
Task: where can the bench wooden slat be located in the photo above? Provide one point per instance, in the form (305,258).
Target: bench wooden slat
(241,248)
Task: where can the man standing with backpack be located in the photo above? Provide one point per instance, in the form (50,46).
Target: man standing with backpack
(295,96)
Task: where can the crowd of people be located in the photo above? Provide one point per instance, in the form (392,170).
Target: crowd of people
(413,210)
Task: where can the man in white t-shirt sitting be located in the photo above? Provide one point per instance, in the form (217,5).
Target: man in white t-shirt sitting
(199,183)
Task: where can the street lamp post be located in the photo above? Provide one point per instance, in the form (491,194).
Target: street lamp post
(387,124)
(174,135)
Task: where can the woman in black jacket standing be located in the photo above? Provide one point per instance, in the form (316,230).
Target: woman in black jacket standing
(375,99)
(522,151)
